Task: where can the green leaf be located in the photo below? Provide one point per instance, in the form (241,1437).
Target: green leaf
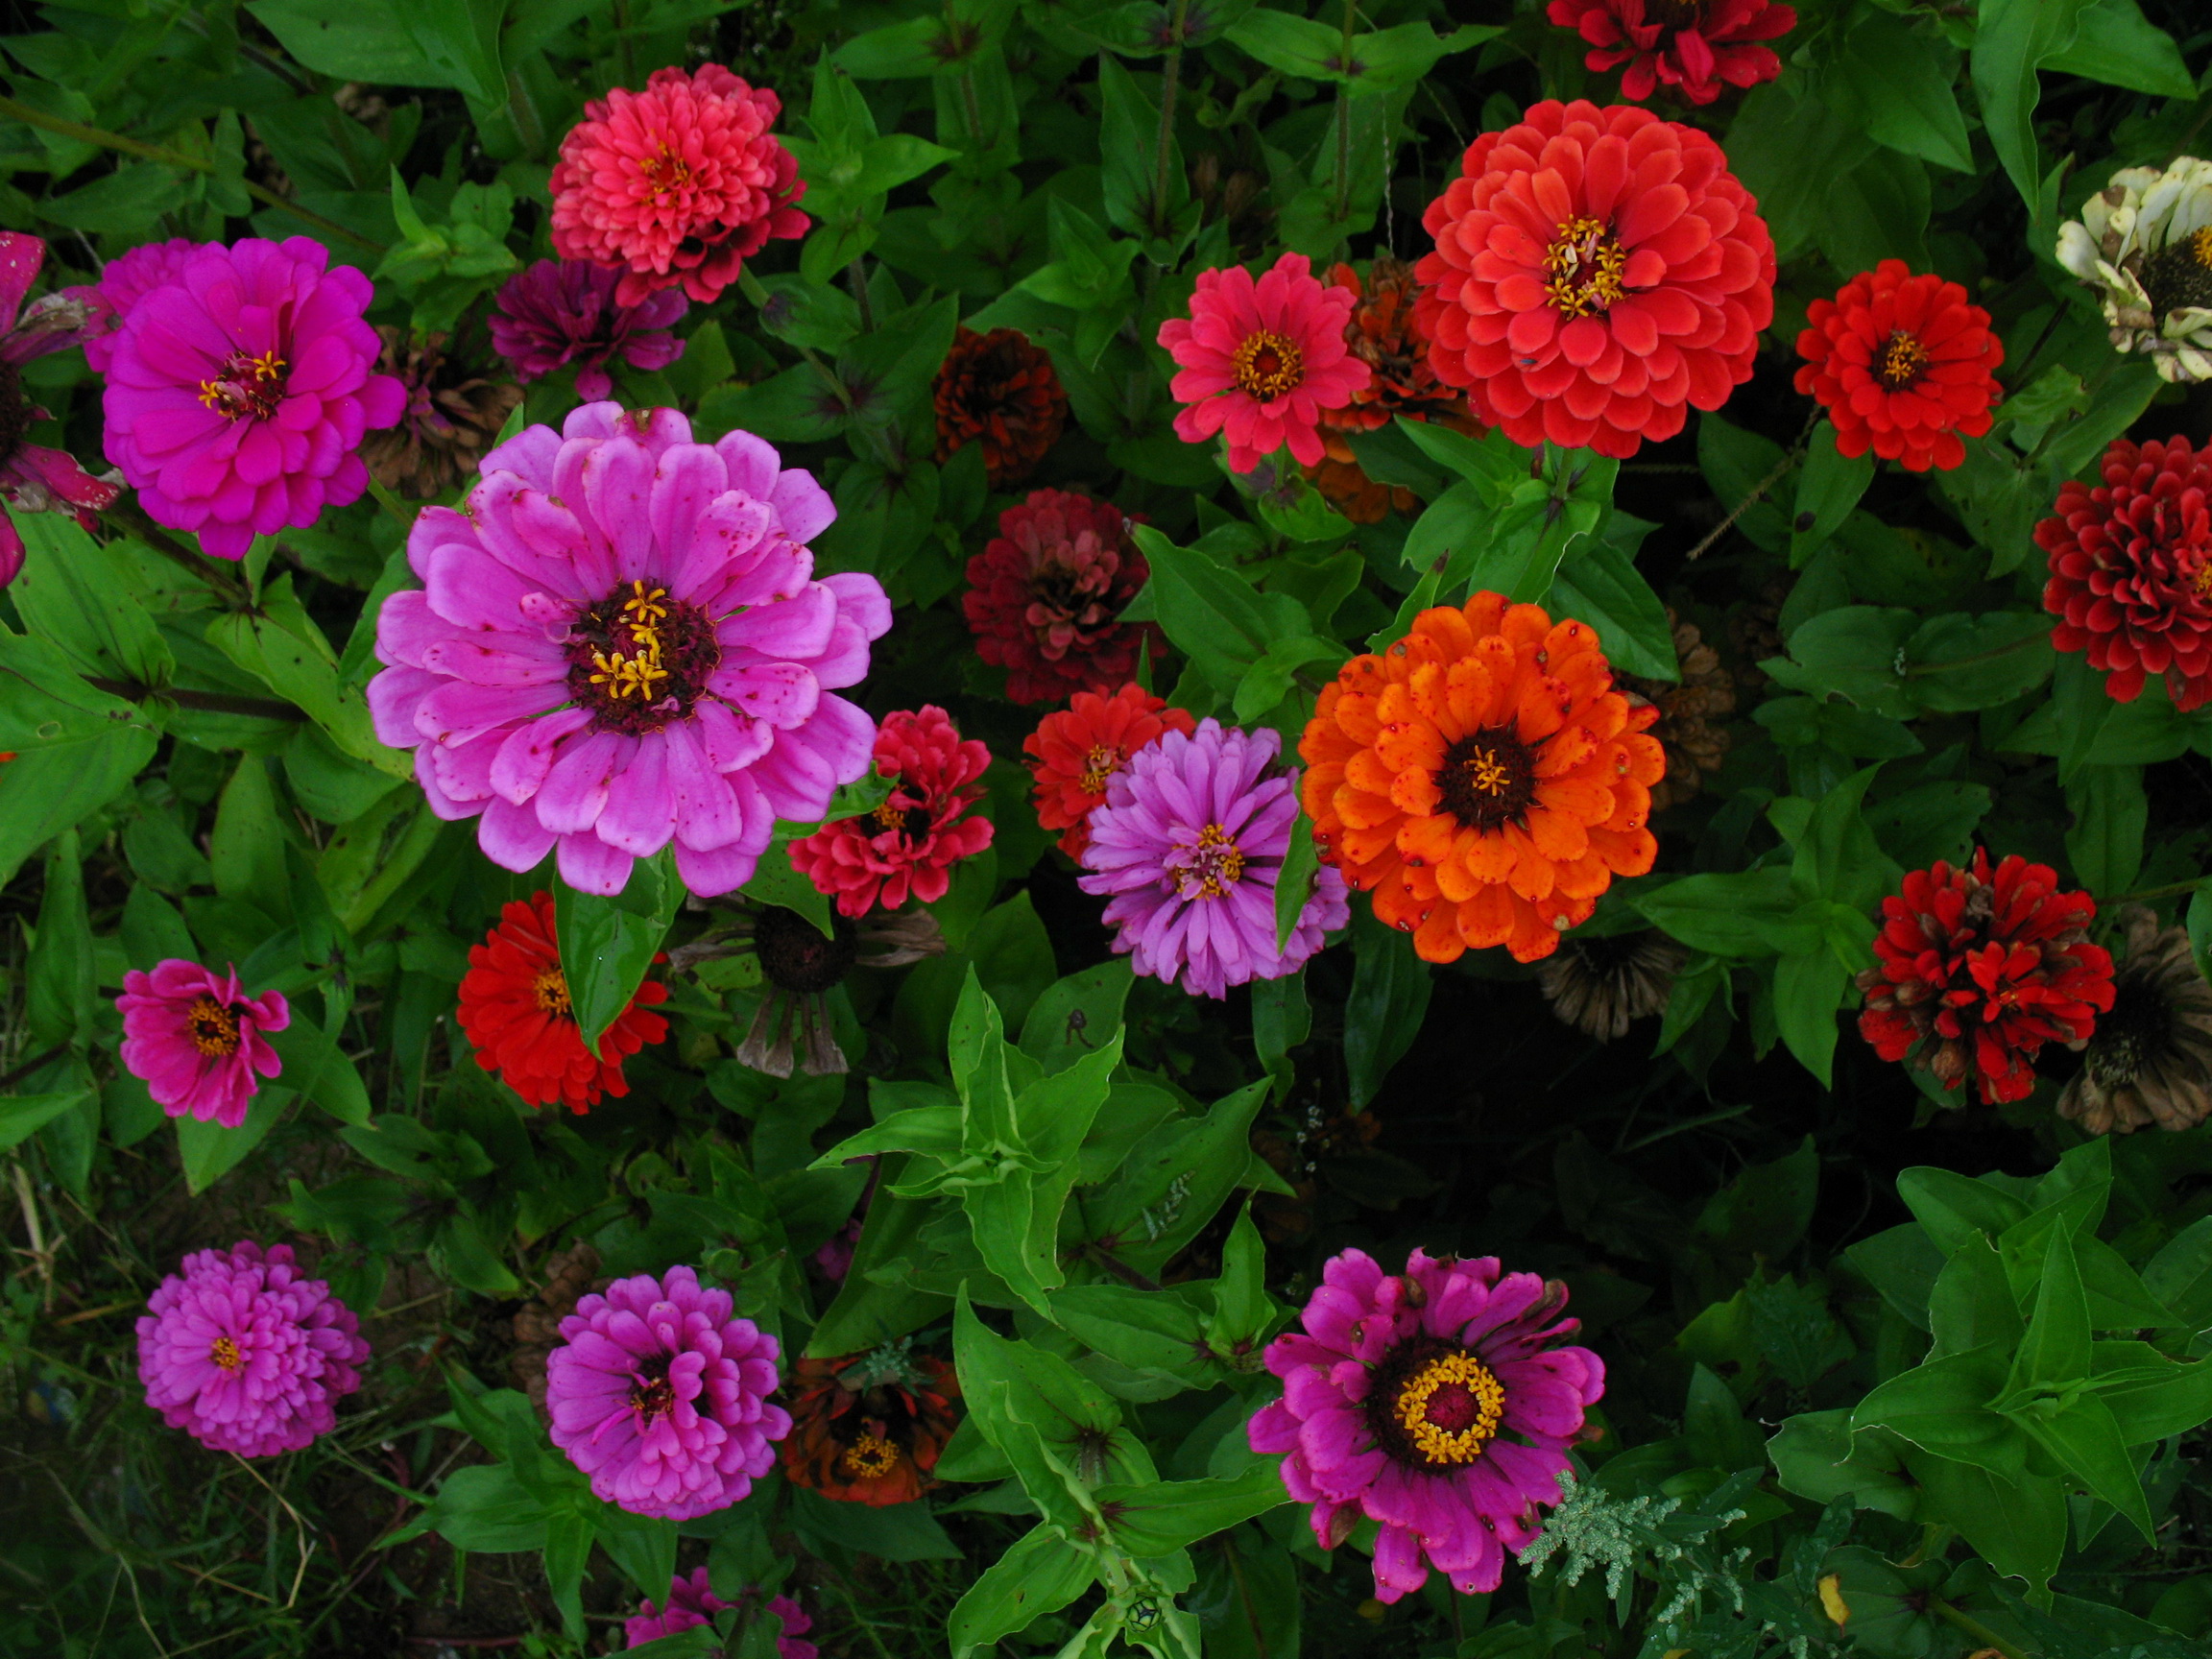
(1947,1406)
(1816,1456)
(2015,38)
(569,1535)
(1597,583)
(1808,988)
(1074,1016)
(1900,79)
(2111,811)
(58,993)
(1391,987)
(1169,1515)
(23,1115)
(484,1507)
(1953,1207)
(897,1532)
(1294,880)
(2083,1438)
(2150,1395)
(1954,664)
(2181,1275)
(1040,1572)
(1971,1303)
(75,748)
(2055,1350)
(608,943)
(2018,1526)
(2116,44)
(318,1070)
(1726,914)
(210,1151)
(1213,614)
(334,38)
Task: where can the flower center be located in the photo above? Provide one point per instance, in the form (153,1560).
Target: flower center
(2139,1027)
(550,990)
(14,412)
(1100,764)
(1585,263)
(1673,14)
(638,659)
(1449,1409)
(870,1457)
(1268,366)
(795,956)
(225,1352)
(1900,361)
(666,171)
(1210,868)
(1488,779)
(2178,276)
(214,1028)
(911,823)
(652,1395)
(246,386)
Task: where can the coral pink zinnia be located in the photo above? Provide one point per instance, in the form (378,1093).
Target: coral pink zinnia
(911,842)
(1263,360)
(1695,46)
(1598,273)
(679,185)
(1903,365)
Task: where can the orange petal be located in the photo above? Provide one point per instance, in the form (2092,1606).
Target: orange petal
(1565,749)
(1360,810)
(1486,852)
(1626,853)
(1427,839)
(1541,708)
(1365,843)
(1438,940)
(1448,626)
(1467,692)
(1532,876)
(1411,742)
(1414,790)
(1483,612)
(1533,937)
(1487,919)
(1365,771)
(1558,835)
(1427,685)
(1580,798)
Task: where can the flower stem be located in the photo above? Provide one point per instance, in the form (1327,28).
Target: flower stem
(145,531)
(1973,1629)
(1758,490)
(1344,116)
(1171,76)
(857,276)
(2172,890)
(210,702)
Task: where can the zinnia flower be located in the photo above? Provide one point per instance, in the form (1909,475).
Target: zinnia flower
(1688,727)
(197,1040)
(1074,753)
(1601,985)
(1978,971)
(247,1355)
(515,1014)
(563,311)
(2144,244)
(621,644)
(868,1429)
(1903,365)
(691,1602)
(240,390)
(2150,1060)
(1598,273)
(999,391)
(1398,1403)
(1263,361)
(1483,779)
(2131,569)
(660,1395)
(1189,844)
(911,842)
(451,418)
(1695,46)
(679,185)
(34,478)
(122,282)
(1044,596)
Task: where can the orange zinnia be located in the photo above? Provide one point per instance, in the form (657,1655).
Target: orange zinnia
(1482,779)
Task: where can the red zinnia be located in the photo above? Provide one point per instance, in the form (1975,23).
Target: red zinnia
(1044,594)
(1981,970)
(1071,754)
(679,185)
(1903,365)
(2131,569)
(1596,273)
(910,843)
(999,391)
(515,1009)
(1695,46)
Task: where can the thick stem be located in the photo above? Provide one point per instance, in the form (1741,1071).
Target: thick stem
(1344,116)
(19,1072)
(212,702)
(1171,78)
(1973,1629)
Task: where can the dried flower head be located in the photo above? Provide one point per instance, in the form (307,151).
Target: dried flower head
(453,416)
(1602,983)
(2150,1060)
(1690,712)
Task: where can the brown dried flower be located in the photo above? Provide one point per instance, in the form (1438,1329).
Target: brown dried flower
(999,390)
(1689,712)
(453,416)
(2150,1060)
(1601,984)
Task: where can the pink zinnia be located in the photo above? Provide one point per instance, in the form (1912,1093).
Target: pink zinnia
(677,184)
(565,311)
(693,1602)
(245,1355)
(660,1395)
(1263,360)
(239,390)
(622,643)
(121,284)
(1396,1405)
(1696,46)
(33,478)
(911,842)
(196,1040)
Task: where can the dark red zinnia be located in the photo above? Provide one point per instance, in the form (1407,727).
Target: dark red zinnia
(2131,569)
(1045,595)
(1978,971)
(1695,46)
(999,391)
(1903,365)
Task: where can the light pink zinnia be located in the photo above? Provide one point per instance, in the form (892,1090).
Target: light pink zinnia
(196,1040)
(677,184)
(1263,360)
(620,643)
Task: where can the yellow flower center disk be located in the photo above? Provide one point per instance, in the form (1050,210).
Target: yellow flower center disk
(1487,772)
(246,386)
(225,1352)
(870,1457)
(1213,867)
(1100,764)
(1268,366)
(550,991)
(1900,361)
(2200,246)
(1450,1408)
(1585,263)
(214,1028)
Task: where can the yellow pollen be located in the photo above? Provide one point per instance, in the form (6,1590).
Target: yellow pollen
(1436,1441)
(1100,764)
(1586,264)
(640,670)
(888,817)
(2200,247)
(1487,773)
(666,171)
(1217,864)
(1900,361)
(214,1028)
(550,990)
(870,1458)
(1268,366)
(225,1352)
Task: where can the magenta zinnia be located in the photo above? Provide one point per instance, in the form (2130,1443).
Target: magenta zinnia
(1397,1406)
(565,311)
(693,1602)
(122,282)
(622,645)
(34,478)
(197,1041)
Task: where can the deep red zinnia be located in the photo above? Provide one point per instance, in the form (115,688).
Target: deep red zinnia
(1695,46)
(911,842)
(515,1010)
(1045,595)
(1903,365)
(1073,753)
(1597,272)
(1979,972)
(2131,569)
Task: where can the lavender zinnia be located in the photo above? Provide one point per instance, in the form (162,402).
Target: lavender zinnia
(1190,841)
(622,643)
(244,1354)
(563,311)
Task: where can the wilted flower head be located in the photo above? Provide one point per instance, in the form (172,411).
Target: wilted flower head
(197,1041)
(1695,46)
(1689,728)
(2144,243)
(999,391)
(1045,594)
(1604,983)
(910,843)
(2150,1060)
(34,478)
(563,311)
(869,1427)
(451,418)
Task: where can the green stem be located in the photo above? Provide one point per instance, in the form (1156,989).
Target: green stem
(145,531)
(1171,76)
(524,114)
(1344,116)
(624,53)
(212,702)
(391,504)
(2172,890)
(857,275)
(1973,1629)
(1979,658)
(1760,489)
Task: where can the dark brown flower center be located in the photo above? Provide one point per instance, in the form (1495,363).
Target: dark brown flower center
(214,1029)
(1672,16)
(1268,366)
(225,1352)
(14,412)
(912,823)
(796,957)
(638,659)
(2140,1024)
(1586,264)
(1488,779)
(247,387)
(1433,1405)
(1900,362)
(2180,275)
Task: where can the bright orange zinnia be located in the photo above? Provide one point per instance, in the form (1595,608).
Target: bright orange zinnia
(1482,779)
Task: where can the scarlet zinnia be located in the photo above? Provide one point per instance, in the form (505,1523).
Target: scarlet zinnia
(1903,365)
(999,391)
(1073,753)
(1978,971)
(2131,569)
(677,185)
(868,1429)
(1263,360)
(1597,272)
(1045,595)
(1482,779)
(515,1009)
(1696,46)
(911,842)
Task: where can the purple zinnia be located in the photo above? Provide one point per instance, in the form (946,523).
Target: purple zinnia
(691,1603)
(244,1354)
(565,311)
(1190,840)
(660,1395)
(196,1039)
(33,478)
(239,390)
(1395,1406)
(123,284)
(622,643)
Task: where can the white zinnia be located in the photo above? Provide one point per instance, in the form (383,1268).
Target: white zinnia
(2144,243)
